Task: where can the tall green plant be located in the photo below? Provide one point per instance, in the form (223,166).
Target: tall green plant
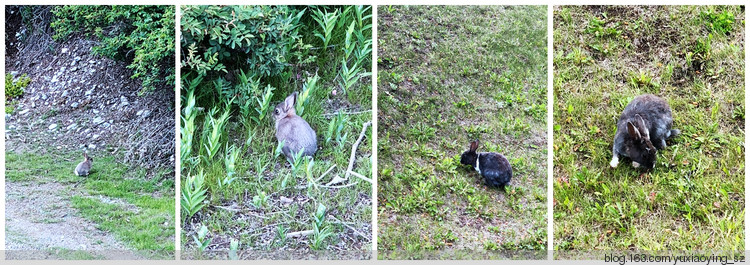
(358,44)
(363,14)
(188,129)
(211,141)
(264,105)
(327,22)
(336,127)
(193,195)
(230,162)
(349,75)
(308,89)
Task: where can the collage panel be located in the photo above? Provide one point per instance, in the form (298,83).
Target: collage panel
(276,132)
(462,132)
(90,132)
(649,118)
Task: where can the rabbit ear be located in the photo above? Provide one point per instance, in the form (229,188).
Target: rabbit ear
(474,145)
(642,126)
(633,131)
(290,100)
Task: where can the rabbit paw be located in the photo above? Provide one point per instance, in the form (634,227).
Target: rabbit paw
(615,161)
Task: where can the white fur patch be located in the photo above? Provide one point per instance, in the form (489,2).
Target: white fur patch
(635,164)
(477,165)
(615,161)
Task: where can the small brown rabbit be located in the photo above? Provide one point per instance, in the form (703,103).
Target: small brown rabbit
(292,130)
(84,168)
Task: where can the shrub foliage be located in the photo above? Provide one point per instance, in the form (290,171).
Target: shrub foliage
(266,37)
(141,35)
(15,88)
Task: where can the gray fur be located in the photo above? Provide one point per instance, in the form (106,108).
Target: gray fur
(292,130)
(84,168)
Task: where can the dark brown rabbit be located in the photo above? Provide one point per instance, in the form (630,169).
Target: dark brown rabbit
(643,128)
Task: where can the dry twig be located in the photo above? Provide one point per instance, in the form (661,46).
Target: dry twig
(299,234)
(354,149)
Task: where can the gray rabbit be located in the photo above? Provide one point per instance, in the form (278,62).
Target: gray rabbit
(292,130)
(644,126)
(84,168)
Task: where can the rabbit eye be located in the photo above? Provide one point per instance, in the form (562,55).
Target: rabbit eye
(276,111)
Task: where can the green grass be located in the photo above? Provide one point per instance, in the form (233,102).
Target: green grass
(268,198)
(694,198)
(119,199)
(448,75)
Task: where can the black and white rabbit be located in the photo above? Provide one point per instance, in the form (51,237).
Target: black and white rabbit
(292,130)
(494,167)
(643,128)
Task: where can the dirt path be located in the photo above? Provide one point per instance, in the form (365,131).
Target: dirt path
(42,224)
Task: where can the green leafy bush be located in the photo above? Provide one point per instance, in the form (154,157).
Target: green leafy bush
(14,89)
(142,35)
(267,37)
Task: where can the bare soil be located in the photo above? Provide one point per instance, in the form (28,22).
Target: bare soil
(40,222)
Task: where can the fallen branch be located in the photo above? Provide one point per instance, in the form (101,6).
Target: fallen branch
(346,113)
(347,226)
(299,234)
(263,228)
(315,181)
(325,47)
(360,176)
(231,209)
(325,173)
(336,180)
(354,149)
(338,187)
